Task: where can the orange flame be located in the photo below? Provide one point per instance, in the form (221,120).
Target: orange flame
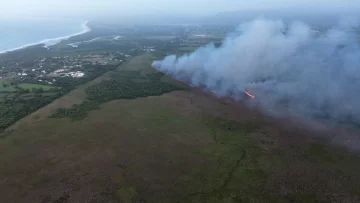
(247,93)
(250,95)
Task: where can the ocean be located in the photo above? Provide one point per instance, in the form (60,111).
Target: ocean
(16,34)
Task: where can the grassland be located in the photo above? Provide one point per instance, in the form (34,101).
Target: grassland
(183,146)
(29,86)
(12,87)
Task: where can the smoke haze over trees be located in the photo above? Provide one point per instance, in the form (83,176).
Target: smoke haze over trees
(291,69)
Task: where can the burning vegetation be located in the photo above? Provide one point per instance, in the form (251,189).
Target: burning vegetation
(250,95)
(284,62)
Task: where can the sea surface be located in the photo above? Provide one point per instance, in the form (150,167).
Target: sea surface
(16,34)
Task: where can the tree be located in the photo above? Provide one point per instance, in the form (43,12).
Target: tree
(39,90)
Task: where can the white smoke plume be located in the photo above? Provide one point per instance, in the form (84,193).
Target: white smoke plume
(291,69)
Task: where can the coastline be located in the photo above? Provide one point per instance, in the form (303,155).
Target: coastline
(50,42)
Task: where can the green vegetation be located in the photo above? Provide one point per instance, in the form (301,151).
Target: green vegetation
(126,194)
(124,84)
(130,85)
(78,111)
(32,87)
(94,59)
(15,87)
(130,148)
(14,109)
(7,86)
(183,147)
(236,166)
(25,98)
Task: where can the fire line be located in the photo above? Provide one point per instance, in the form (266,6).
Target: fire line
(250,95)
(247,93)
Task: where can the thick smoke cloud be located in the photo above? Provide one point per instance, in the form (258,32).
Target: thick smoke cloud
(291,69)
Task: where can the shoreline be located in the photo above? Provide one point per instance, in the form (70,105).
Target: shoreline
(50,42)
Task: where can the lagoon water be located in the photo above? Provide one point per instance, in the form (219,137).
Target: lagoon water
(15,34)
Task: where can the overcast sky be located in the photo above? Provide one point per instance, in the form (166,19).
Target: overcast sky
(41,8)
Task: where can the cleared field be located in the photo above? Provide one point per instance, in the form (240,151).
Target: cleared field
(31,95)
(29,86)
(184,146)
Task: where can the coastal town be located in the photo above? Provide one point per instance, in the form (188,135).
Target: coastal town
(46,70)
(29,84)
